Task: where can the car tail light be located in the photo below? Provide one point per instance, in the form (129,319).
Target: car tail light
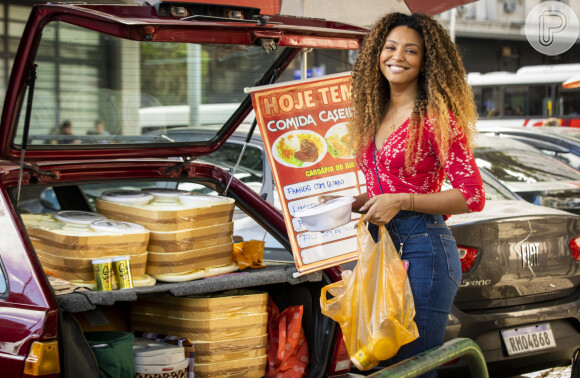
(468,257)
(340,363)
(42,360)
(575,247)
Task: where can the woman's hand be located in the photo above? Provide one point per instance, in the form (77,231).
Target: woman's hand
(326,197)
(382,208)
(359,200)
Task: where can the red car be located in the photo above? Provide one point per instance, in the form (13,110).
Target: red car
(74,122)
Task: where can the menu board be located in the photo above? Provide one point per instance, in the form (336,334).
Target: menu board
(303,125)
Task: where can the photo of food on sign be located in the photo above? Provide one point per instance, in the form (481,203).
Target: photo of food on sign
(338,142)
(299,148)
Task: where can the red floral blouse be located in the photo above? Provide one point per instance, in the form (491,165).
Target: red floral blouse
(428,174)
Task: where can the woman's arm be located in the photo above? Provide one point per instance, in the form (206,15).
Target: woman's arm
(382,208)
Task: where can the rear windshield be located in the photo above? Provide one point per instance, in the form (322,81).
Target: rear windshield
(93,88)
(524,166)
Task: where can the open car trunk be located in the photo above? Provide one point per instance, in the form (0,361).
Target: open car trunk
(94,93)
(276,278)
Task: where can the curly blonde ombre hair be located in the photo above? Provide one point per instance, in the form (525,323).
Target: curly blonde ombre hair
(443,88)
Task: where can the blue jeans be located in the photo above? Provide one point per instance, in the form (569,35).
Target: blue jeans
(434,274)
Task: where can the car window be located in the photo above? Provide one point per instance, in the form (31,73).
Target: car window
(569,158)
(79,98)
(3,281)
(523,166)
(108,90)
(251,168)
(494,190)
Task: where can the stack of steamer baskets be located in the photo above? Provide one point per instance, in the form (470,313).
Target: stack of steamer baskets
(191,234)
(66,242)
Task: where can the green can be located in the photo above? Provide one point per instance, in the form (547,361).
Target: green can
(102,271)
(122,270)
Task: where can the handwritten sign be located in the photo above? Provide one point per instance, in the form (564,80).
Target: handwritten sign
(303,124)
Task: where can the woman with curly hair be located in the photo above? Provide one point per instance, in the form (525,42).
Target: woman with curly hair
(413,125)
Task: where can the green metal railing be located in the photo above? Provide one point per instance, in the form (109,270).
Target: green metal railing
(433,358)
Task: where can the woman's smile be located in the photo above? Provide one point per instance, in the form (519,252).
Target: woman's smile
(402,56)
(396,68)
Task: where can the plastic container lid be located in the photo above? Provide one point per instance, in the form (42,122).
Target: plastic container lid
(131,197)
(169,370)
(201,200)
(78,217)
(101,261)
(321,208)
(150,352)
(165,194)
(117,227)
(325,216)
(120,258)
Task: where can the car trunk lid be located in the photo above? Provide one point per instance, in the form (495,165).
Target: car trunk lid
(194,66)
(524,255)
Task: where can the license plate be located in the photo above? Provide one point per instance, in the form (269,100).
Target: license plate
(528,339)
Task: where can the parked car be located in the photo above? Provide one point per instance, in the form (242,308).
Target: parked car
(84,63)
(520,262)
(533,175)
(562,143)
(521,280)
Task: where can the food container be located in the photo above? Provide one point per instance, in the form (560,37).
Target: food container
(232,315)
(252,367)
(68,241)
(177,370)
(187,261)
(325,216)
(151,352)
(210,352)
(195,238)
(166,210)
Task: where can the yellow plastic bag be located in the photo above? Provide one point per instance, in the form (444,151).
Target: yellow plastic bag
(373,303)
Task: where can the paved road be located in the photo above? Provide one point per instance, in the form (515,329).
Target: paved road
(558,372)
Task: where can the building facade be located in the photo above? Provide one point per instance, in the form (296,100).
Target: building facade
(489,34)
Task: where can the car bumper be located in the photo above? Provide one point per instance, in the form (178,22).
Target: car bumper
(484,327)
